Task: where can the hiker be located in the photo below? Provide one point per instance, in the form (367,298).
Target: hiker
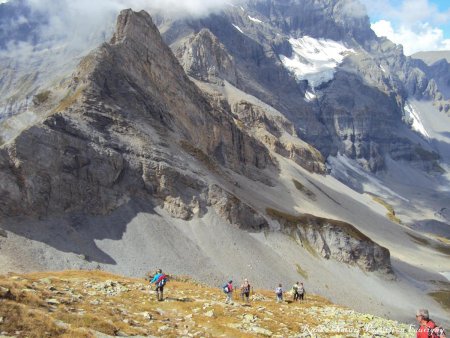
(245,291)
(228,290)
(279,293)
(159,280)
(301,292)
(295,288)
(428,328)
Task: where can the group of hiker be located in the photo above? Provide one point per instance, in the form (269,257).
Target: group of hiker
(427,327)
(159,280)
(297,291)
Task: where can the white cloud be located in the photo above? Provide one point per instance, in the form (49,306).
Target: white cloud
(83,24)
(407,12)
(413,23)
(414,38)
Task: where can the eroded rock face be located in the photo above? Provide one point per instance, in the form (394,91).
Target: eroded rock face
(235,211)
(337,240)
(110,139)
(206,59)
(279,135)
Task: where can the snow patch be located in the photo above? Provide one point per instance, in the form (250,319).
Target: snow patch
(414,116)
(315,60)
(446,274)
(254,19)
(238,28)
(310,96)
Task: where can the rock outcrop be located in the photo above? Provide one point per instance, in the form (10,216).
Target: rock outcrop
(205,58)
(279,135)
(337,240)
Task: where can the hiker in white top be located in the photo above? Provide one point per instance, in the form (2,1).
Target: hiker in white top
(279,293)
(245,291)
(301,292)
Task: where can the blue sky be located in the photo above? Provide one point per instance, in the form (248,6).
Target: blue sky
(417,24)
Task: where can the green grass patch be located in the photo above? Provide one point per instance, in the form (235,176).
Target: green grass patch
(304,190)
(301,272)
(442,297)
(69,100)
(390,209)
(41,98)
(437,245)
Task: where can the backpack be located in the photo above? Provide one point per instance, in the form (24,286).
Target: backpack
(435,331)
(161,281)
(225,288)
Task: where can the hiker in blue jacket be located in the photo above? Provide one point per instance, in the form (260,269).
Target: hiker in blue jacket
(159,280)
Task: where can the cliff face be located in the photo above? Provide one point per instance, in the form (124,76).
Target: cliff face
(109,139)
(332,239)
(358,111)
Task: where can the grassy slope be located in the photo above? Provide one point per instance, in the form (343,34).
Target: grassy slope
(77,304)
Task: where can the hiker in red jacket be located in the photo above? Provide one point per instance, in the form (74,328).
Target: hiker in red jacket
(428,328)
(228,290)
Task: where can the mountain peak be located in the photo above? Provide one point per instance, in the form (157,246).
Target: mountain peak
(133,25)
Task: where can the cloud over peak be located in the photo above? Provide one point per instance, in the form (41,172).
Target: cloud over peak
(413,23)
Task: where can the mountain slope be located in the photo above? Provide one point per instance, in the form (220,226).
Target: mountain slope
(219,169)
(97,304)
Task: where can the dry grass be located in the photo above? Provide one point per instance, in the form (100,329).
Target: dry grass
(442,297)
(83,310)
(68,101)
(390,209)
(301,272)
(41,97)
(443,240)
(29,312)
(436,245)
